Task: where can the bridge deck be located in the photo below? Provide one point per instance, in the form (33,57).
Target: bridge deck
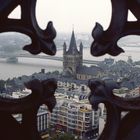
(57,58)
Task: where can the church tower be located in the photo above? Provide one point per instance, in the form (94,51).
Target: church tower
(72,58)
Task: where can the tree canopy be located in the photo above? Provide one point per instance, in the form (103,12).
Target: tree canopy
(65,136)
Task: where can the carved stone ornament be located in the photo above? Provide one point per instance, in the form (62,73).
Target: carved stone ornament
(42,91)
(105,42)
(116,126)
(42,40)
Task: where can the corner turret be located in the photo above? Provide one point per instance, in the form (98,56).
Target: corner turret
(64,48)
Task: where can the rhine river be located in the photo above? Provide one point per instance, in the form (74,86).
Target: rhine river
(28,66)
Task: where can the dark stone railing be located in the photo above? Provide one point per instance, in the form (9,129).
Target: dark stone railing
(42,40)
(105,42)
(116,127)
(42,91)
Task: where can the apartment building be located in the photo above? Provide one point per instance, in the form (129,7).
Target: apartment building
(77,118)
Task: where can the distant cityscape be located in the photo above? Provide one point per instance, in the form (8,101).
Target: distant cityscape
(73,115)
(18,40)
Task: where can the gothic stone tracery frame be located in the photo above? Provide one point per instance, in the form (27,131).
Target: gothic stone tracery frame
(42,41)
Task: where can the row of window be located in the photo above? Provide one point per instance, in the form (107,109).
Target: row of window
(42,122)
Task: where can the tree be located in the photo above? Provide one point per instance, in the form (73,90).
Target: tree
(56,72)
(65,136)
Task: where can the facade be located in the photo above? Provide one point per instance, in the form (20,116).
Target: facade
(73,87)
(73,62)
(42,120)
(73,117)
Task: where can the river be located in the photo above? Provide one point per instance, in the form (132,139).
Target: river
(28,66)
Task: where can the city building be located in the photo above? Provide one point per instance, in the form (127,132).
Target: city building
(42,120)
(73,86)
(72,58)
(73,62)
(121,92)
(74,117)
(21,94)
(133,93)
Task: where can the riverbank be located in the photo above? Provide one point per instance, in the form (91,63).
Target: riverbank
(28,66)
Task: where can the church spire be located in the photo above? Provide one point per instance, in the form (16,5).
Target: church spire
(73,47)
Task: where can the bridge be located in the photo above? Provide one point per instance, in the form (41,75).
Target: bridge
(56,58)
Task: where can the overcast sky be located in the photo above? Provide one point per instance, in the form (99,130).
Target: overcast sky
(82,14)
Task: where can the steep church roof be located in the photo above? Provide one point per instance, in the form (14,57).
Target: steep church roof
(93,70)
(73,47)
